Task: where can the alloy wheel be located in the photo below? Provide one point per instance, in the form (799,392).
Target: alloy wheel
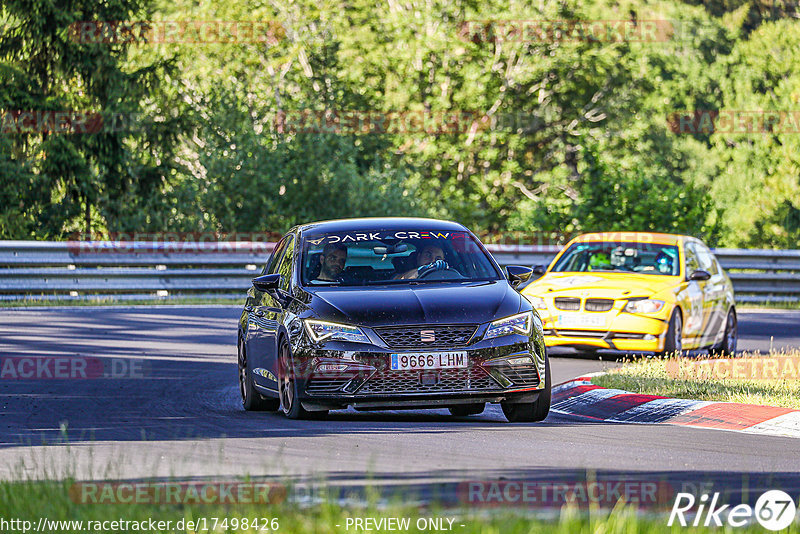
(242,372)
(678,333)
(286,387)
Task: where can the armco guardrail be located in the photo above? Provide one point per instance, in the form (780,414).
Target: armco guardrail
(77,269)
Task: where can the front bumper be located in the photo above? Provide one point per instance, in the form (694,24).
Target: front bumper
(333,376)
(619,331)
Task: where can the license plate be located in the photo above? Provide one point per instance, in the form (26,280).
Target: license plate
(573,320)
(428,360)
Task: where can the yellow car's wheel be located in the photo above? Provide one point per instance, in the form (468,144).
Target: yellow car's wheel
(727,346)
(673,342)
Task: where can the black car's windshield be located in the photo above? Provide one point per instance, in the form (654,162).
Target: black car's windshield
(393,257)
(643,258)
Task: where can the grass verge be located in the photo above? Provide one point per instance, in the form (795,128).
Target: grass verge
(50,501)
(769,305)
(703,381)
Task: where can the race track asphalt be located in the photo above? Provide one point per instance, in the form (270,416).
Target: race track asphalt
(184,418)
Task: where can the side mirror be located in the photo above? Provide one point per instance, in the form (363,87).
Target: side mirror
(267,282)
(518,274)
(700,275)
(539,270)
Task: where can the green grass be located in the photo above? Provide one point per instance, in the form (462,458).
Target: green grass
(33,500)
(649,376)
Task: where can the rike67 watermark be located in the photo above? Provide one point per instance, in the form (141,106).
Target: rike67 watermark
(774,510)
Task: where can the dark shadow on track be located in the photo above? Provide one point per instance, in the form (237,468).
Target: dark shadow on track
(183,400)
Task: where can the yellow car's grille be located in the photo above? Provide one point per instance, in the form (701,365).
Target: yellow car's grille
(598,305)
(567,303)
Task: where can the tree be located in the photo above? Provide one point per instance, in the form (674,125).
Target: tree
(92,173)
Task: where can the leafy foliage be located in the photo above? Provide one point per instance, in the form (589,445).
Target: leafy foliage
(564,135)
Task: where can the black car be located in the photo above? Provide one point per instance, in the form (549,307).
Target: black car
(390,313)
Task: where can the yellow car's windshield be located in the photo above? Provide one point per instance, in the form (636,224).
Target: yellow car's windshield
(643,258)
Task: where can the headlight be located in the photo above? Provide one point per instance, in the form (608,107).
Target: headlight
(516,324)
(321,331)
(537,302)
(644,306)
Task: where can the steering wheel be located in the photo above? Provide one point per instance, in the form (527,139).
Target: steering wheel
(434,273)
(445,274)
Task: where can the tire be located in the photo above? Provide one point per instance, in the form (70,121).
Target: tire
(252,400)
(463,410)
(728,345)
(673,342)
(531,412)
(287,386)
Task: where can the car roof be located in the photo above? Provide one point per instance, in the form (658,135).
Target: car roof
(382,223)
(636,237)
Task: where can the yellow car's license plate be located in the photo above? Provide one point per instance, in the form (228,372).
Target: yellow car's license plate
(428,360)
(579,320)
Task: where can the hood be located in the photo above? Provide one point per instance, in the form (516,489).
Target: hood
(474,302)
(601,285)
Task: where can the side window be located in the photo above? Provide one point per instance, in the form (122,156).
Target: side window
(706,259)
(277,254)
(692,263)
(285,265)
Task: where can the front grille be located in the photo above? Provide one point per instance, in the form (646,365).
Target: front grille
(567,303)
(410,337)
(450,380)
(520,375)
(582,333)
(598,305)
(326,385)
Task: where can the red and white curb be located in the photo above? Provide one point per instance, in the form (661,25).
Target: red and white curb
(579,397)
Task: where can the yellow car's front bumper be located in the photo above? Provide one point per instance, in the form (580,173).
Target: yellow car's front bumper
(620,331)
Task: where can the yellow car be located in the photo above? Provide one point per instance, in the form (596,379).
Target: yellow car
(635,291)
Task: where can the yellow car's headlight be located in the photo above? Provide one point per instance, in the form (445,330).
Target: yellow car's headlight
(644,306)
(537,302)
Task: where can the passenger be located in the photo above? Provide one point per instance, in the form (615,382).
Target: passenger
(332,261)
(664,263)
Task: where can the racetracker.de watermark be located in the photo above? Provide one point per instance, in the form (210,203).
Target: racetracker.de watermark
(733,121)
(68,122)
(172,242)
(71,368)
(345,122)
(604,493)
(189,492)
(767,368)
(173,32)
(559,31)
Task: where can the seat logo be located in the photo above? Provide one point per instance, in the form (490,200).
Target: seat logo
(427,336)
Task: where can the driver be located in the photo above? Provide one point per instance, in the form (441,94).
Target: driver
(598,261)
(429,255)
(332,261)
